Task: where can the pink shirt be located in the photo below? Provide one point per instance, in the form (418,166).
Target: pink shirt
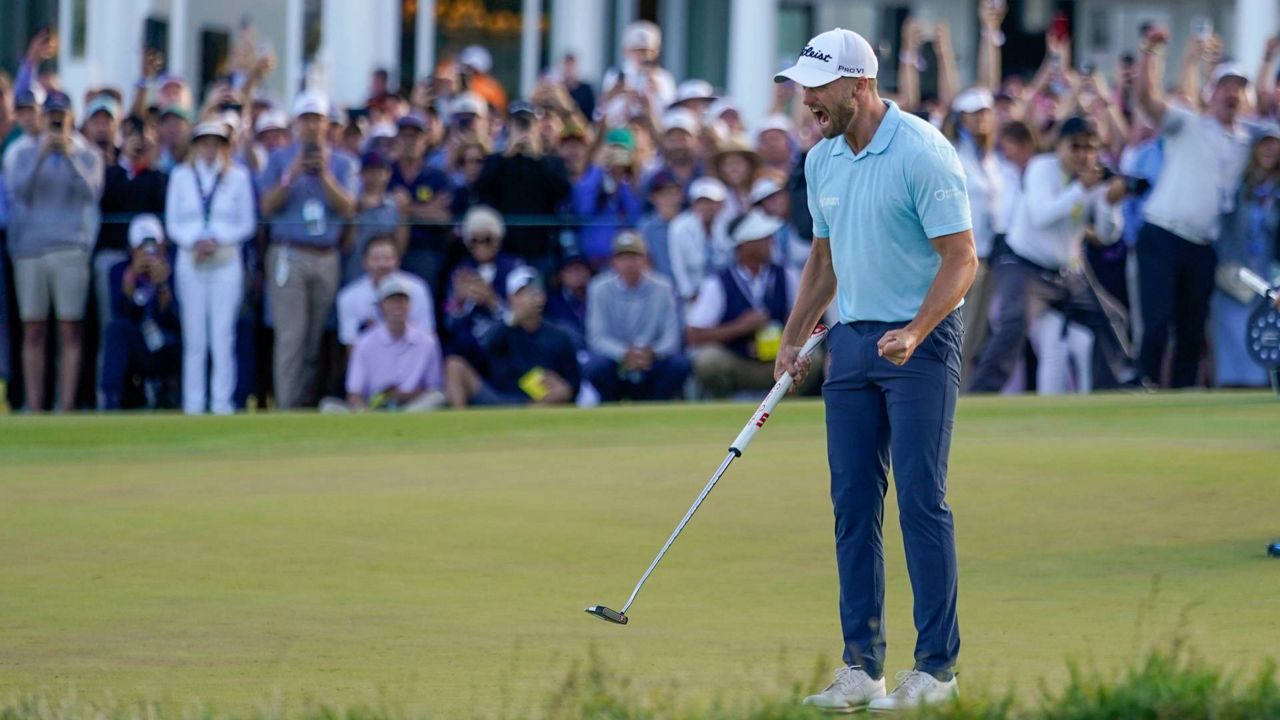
(409,364)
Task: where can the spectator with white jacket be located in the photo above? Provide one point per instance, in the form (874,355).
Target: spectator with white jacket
(209,213)
(1065,200)
(699,238)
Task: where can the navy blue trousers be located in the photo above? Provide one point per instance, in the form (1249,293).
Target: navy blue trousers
(880,414)
(662,382)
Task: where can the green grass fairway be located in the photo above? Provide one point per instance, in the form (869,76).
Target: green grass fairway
(439,564)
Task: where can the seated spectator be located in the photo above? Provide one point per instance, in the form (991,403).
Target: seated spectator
(54,183)
(567,302)
(736,322)
(209,214)
(699,242)
(530,361)
(358,303)
(395,365)
(1065,200)
(377,214)
(667,197)
(632,329)
(477,289)
(143,339)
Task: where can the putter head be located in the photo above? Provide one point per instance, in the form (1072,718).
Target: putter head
(605,613)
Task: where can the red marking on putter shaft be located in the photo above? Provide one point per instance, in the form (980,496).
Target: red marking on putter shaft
(761,421)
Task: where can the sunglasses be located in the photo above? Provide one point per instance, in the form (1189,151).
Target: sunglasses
(482,240)
(1084,147)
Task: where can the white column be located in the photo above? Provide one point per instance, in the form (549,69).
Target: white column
(292,62)
(624,13)
(425,48)
(355,39)
(179,32)
(530,46)
(1255,21)
(752,42)
(674,20)
(579,27)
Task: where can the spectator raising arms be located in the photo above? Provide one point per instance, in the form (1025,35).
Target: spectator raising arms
(54,182)
(209,214)
(309,193)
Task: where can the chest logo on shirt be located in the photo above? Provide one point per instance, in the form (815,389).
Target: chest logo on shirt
(828,202)
(424,194)
(947,194)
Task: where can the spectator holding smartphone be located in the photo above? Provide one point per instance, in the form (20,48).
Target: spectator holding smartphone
(54,184)
(308,194)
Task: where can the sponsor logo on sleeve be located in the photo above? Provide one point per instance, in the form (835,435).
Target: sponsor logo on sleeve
(948,194)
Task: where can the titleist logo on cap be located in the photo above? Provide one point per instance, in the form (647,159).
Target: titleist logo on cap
(810,52)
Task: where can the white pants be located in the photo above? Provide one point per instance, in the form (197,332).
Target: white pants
(209,299)
(1057,351)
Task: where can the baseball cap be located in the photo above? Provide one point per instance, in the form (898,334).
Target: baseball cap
(384,130)
(176,110)
(391,287)
(621,136)
(57,101)
(642,35)
(482,219)
(721,106)
(145,228)
(756,225)
(1224,71)
(476,58)
(373,160)
(1268,130)
(26,98)
(468,103)
(975,99)
(662,179)
(412,121)
(216,129)
(629,241)
(680,119)
(522,107)
(763,188)
(1075,126)
(310,102)
(694,90)
(775,122)
(708,188)
(831,55)
(271,120)
(521,278)
(102,103)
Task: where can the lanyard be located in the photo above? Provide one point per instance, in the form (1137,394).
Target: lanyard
(744,286)
(206,199)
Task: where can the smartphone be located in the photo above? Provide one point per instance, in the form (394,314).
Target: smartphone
(1202,27)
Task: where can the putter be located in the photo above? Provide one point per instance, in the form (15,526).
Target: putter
(738,447)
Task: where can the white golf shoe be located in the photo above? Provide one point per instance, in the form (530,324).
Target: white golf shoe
(916,688)
(851,691)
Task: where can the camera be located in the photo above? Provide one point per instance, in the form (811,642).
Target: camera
(56,124)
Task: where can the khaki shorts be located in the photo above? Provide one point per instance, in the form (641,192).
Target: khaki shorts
(61,275)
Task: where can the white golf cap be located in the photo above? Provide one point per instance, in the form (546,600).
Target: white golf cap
(680,119)
(145,228)
(271,120)
(694,90)
(384,130)
(833,54)
(642,35)
(211,128)
(310,102)
(720,107)
(708,188)
(521,278)
(975,99)
(775,122)
(482,219)
(757,225)
(391,287)
(763,188)
(468,103)
(476,58)
(1227,70)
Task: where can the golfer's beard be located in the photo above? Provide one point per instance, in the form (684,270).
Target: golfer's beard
(841,122)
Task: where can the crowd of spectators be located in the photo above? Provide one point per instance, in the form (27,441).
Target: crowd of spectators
(641,239)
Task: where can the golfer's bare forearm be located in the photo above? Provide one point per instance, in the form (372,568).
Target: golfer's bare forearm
(817,288)
(954,278)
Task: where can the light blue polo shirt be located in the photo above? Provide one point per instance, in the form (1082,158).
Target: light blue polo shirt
(880,208)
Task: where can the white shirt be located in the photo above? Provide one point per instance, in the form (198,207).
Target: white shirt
(358,306)
(232,217)
(983,180)
(1203,164)
(1010,194)
(1050,222)
(707,311)
(695,254)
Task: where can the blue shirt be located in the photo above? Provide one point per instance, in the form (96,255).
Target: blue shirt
(880,208)
(305,217)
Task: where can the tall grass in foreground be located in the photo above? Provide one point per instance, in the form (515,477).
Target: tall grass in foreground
(1170,684)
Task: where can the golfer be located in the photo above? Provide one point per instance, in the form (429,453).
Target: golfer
(892,242)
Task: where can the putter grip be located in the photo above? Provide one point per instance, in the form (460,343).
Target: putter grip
(775,396)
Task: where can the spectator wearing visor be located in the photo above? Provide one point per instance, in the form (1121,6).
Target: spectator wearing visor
(55,184)
(209,213)
(309,194)
(424,194)
(633,331)
(1205,154)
